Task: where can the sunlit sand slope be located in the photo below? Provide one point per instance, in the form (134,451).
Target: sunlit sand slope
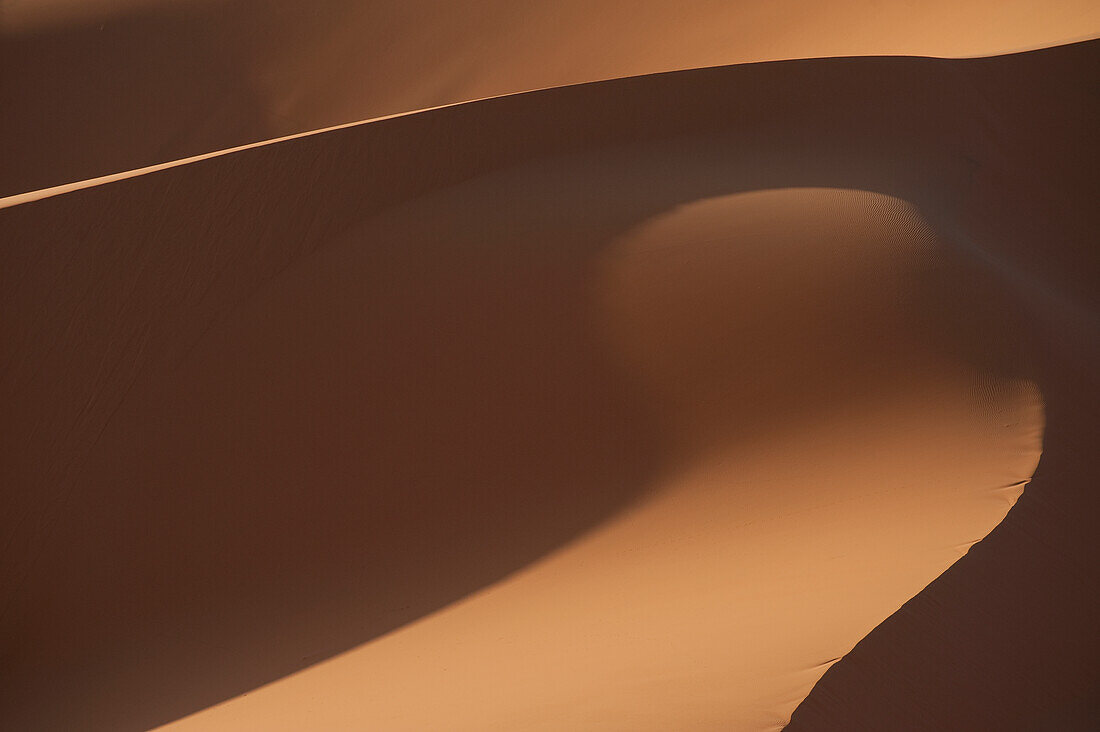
(92,87)
(633,404)
(825,456)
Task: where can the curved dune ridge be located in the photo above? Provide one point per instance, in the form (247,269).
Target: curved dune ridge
(624,405)
(94,87)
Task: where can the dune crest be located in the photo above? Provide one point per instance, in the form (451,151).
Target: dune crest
(96,87)
(572,391)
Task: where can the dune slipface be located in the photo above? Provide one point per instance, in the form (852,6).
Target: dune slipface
(825,458)
(630,405)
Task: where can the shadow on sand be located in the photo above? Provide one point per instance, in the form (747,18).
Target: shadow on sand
(217,480)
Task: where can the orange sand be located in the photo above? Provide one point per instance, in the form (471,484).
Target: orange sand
(94,87)
(625,405)
(826,463)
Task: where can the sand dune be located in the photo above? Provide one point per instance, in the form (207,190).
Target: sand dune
(93,87)
(631,404)
(821,463)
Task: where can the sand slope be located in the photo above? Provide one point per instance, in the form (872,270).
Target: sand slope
(92,87)
(822,461)
(603,365)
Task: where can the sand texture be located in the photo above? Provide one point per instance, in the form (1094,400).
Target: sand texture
(94,87)
(745,397)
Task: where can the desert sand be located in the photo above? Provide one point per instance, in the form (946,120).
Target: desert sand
(797,473)
(94,87)
(638,404)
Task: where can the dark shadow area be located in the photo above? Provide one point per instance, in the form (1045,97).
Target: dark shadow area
(216,480)
(124,91)
(1007,637)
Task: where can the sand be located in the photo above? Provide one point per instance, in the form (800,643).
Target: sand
(627,405)
(809,485)
(94,87)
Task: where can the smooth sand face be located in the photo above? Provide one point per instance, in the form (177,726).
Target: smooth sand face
(601,441)
(829,456)
(143,82)
(439,53)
